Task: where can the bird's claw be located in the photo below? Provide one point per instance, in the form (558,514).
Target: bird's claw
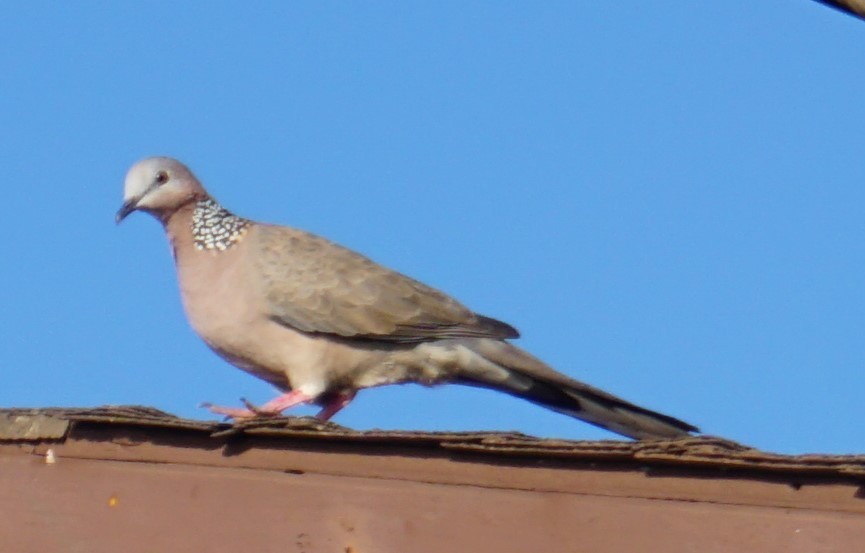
(251,407)
(251,410)
(234,413)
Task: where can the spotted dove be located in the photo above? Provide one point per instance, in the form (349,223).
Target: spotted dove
(320,322)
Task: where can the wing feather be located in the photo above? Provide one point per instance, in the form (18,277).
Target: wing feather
(315,285)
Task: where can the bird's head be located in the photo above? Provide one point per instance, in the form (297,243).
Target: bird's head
(159,186)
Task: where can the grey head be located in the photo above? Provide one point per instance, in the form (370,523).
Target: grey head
(159,186)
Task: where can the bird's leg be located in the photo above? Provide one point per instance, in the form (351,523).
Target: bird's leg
(273,407)
(282,402)
(334,405)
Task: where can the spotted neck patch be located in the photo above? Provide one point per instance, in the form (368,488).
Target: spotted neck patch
(216,228)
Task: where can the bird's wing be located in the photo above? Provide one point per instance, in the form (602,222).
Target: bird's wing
(314,285)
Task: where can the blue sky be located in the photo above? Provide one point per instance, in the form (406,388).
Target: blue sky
(666,198)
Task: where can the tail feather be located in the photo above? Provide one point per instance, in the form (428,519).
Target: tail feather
(504,367)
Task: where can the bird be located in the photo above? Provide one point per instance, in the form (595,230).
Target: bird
(321,322)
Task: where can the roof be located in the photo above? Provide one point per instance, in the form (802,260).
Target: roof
(705,453)
(252,483)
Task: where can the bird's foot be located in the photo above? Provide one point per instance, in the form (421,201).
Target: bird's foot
(230,412)
(272,408)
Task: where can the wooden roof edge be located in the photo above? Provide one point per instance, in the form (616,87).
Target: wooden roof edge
(53,424)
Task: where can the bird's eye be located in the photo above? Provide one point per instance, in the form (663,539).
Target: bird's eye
(161,177)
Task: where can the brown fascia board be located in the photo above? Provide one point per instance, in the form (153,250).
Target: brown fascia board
(296,484)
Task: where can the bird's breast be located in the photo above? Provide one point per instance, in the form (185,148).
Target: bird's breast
(219,300)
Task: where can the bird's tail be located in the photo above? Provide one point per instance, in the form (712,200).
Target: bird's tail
(502,366)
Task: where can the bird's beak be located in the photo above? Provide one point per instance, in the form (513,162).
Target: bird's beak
(128,207)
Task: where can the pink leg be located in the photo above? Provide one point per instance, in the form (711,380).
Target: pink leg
(335,405)
(273,407)
(282,402)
